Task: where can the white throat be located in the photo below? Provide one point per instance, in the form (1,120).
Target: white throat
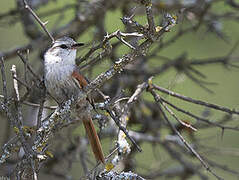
(66,58)
(59,68)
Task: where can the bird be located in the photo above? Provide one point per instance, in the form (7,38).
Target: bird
(64,81)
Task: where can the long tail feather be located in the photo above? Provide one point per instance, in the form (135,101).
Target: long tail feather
(94,140)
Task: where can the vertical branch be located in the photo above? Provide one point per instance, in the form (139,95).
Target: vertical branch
(4,82)
(150,18)
(6,103)
(43,96)
(5,100)
(124,147)
(15,84)
(19,119)
(25,68)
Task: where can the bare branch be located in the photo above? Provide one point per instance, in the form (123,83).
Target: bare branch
(202,103)
(4,82)
(156,97)
(43,25)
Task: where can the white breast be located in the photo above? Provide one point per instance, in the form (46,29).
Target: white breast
(58,79)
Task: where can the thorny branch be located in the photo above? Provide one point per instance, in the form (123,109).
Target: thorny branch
(157,99)
(191,100)
(123,83)
(43,25)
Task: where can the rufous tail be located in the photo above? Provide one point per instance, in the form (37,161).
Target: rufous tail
(94,140)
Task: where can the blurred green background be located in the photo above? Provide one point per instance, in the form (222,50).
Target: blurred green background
(201,44)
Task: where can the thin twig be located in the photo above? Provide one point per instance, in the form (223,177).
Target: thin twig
(199,118)
(28,66)
(117,122)
(22,83)
(157,99)
(97,165)
(191,100)
(43,25)
(175,117)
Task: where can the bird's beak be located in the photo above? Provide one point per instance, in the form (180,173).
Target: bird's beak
(77,45)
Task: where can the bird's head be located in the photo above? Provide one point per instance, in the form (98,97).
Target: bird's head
(64,49)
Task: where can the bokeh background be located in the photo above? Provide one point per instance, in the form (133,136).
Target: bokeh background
(200,44)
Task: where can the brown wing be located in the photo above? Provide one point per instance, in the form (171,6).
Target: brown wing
(80,78)
(83,82)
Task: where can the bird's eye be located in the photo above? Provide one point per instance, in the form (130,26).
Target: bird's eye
(63,46)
